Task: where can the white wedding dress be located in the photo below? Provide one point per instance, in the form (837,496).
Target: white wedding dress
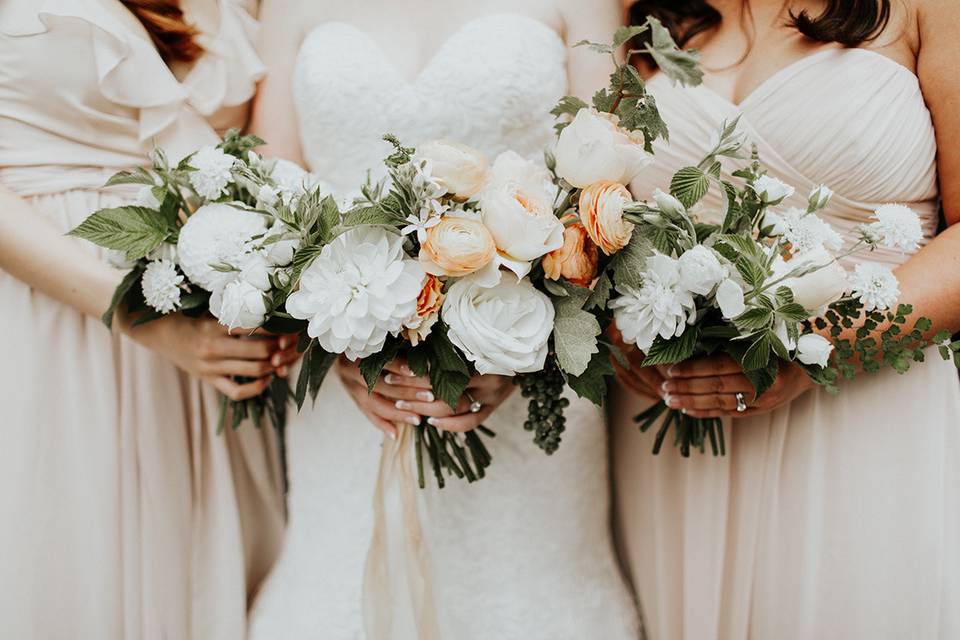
(525,553)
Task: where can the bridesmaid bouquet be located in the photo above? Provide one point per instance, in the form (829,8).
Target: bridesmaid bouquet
(214,234)
(757,286)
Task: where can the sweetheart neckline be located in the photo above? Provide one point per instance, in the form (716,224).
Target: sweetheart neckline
(431,60)
(797,65)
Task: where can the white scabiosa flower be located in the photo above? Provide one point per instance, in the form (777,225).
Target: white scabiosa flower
(875,286)
(660,307)
(814,349)
(161,286)
(503,329)
(897,227)
(771,190)
(212,173)
(360,289)
(216,237)
(806,231)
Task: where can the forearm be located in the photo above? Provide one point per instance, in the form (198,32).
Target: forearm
(40,255)
(930,281)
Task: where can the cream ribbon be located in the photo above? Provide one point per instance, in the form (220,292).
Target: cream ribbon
(398,599)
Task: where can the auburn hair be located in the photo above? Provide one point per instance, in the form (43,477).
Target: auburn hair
(174,37)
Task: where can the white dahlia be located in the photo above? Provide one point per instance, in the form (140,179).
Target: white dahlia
(360,289)
(212,173)
(898,227)
(214,239)
(875,286)
(662,306)
(161,286)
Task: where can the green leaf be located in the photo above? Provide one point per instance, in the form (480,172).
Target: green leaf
(316,364)
(623,34)
(792,312)
(762,379)
(372,366)
(760,351)
(302,259)
(575,341)
(449,373)
(120,293)
(137,176)
(674,350)
(629,263)
(569,105)
(754,319)
(134,230)
(678,65)
(370,215)
(601,292)
(689,185)
(592,384)
(595,46)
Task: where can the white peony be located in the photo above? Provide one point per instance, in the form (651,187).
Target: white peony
(804,231)
(593,148)
(239,305)
(517,207)
(213,172)
(771,190)
(875,286)
(660,307)
(215,238)
(161,286)
(819,279)
(503,329)
(461,170)
(814,349)
(360,289)
(700,270)
(897,227)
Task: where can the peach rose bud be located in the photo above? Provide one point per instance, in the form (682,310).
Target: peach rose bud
(601,212)
(428,310)
(576,260)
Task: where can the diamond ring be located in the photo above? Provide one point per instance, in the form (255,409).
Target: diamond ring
(741,403)
(475,405)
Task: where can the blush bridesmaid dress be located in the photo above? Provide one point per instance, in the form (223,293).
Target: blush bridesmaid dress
(123,514)
(832,517)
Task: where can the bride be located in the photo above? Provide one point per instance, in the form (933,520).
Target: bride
(527,552)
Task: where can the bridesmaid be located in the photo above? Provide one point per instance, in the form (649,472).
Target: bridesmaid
(830,517)
(124,514)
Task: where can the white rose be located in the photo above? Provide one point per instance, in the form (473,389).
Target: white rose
(462,170)
(820,197)
(239,305)
(812,348)
(502,329)
(668,204)
(517,207)
(771,190)
(813,291)
(730,298)
(701,270)
(593,148)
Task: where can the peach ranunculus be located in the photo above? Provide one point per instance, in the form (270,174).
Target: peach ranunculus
(461,169)
(601,211)
(576,260)
(457,246)
(417,328)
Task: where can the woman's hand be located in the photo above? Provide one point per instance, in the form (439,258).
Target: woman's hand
(203,348)
(708,387)
(400,396)
(646,381)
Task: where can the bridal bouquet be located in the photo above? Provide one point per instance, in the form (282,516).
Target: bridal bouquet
(214,234)
(759,286)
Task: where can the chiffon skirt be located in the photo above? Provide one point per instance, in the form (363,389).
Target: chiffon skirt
(831,518)
(124,515)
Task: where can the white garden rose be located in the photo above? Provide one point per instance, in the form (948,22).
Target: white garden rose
(212,172)
(700,270)
(814,349)
(215,237)
(771,190)
(462,170)
(239,305)
(826,283)
(517,207)
(593,148)
(820,197)
(360,289)
(660,307)
(503,329)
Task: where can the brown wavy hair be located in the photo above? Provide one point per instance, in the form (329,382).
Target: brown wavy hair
(174,37)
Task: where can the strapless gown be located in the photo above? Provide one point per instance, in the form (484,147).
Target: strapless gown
(526,552)
(833,517)
(124,515)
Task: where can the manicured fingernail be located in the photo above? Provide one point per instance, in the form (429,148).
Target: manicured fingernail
(666,387)
(683,411)
(414,420)
(426,396)
(284,342)
(392,434)
(402,404)
(408,371)
(671,401)
(432,422)
(390,378)
(670,370)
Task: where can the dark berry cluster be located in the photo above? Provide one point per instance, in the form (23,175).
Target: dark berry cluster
(545,413)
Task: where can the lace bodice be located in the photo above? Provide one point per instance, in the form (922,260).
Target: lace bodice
(490,85)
